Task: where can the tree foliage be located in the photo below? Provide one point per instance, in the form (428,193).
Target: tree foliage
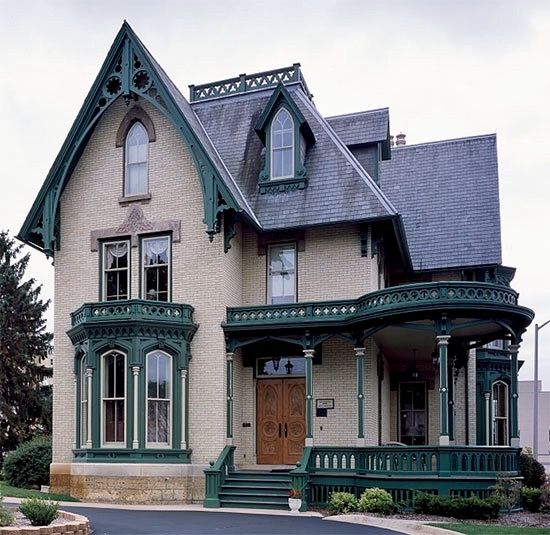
(24,344)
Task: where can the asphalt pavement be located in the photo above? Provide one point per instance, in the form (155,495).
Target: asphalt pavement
(130,522)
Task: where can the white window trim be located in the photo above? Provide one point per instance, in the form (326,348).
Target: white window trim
(143,268)
(505,418)
(126,163)
(105,444)
(272,150)
(104,269)
(159,445)
(269,248)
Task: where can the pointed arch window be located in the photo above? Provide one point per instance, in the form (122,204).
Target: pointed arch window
(136,161)
(282,145)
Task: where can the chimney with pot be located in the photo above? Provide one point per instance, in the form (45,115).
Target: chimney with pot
(400,139)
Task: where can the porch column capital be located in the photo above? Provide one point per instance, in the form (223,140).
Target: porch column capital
(183,373)
(443,339)
(359,351)
(309,353)
(135,370)
(513,349)
(89,373)
(229,356)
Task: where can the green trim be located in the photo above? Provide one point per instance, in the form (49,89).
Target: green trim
(216,474)
(128,71)
(129,455)
(419,300)
(360,367)
(309,393)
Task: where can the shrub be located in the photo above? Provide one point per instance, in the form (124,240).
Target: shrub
(40,512)
(343,502)
(508,491)
(545,498)
(472,507)
(533,472)
(29,465)
(530,499)
(6,518)
(376,500)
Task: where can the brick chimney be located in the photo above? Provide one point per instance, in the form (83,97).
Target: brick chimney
(400,139)
(392,142)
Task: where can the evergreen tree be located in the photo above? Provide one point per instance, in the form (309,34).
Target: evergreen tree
(24,344)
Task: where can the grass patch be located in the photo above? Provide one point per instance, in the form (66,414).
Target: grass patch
(14,492)
(477,529)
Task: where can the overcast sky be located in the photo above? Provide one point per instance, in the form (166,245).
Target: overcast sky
(445,69)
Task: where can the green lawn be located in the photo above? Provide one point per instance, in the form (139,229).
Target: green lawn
(479,529)
(14,492)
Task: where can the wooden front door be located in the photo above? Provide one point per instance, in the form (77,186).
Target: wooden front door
(281,420)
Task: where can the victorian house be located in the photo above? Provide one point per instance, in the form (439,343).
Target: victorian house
(248,293)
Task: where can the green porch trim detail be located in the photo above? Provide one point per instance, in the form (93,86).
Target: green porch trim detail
(514,423)
(248,83)
(360,372)
(216,474)
(128,72)
(418,300)
(308,354)
(229,397)
(129,455)
(442,346)
(282,99)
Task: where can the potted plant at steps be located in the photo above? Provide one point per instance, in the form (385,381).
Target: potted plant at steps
(295,497)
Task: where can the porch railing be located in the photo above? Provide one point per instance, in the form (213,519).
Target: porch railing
(428,460)
(216,474)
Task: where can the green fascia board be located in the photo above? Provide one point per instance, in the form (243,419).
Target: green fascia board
(46,204)
(281,95)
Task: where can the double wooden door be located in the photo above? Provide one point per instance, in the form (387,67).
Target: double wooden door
(281,425)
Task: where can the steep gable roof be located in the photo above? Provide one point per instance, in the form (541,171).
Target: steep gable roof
(129,71)
(339,189)
(447,193)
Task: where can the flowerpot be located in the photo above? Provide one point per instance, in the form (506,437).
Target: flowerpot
(295,504)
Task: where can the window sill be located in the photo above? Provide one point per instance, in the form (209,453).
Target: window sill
(283,185)
(143,198)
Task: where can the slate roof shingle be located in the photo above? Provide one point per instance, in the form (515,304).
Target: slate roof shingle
(447,194)
(362,127)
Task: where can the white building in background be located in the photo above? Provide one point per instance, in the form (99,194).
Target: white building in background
(526,394)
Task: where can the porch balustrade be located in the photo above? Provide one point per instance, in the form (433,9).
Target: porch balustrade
(398,299)
(401,460)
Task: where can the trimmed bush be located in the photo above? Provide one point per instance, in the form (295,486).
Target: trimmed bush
(533,472)
(342,503)
(29,465)
(377,500)
(40,512)
(530,499)
(472,507)
(6,518)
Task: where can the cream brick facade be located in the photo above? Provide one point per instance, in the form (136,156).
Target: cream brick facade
(330,267)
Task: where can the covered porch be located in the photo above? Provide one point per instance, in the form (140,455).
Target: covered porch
(393,367)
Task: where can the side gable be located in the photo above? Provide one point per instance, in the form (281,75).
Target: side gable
(130,72)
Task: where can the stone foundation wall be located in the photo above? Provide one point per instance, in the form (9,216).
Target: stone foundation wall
(130,484)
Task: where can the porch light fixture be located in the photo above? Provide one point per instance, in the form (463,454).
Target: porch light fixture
(276,361)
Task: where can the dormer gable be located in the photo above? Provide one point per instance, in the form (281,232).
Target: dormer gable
(286,135)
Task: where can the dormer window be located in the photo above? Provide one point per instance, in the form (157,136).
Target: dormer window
(286,136)
(137,157)
(282,145)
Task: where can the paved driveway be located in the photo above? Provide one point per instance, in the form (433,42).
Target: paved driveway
(123,522)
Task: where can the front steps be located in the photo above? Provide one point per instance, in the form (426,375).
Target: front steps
(256,489)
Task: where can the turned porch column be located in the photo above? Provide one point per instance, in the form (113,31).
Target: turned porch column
(360,367)
(135,438)
(229,386)
(514,427)
(442,346)
(89,376)
(308,354)
(487,396)
(183,390)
